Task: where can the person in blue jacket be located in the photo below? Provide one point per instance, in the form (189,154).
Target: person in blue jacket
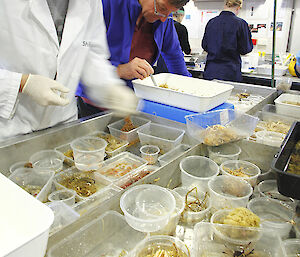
(138,32)
(297,65)
(226,37)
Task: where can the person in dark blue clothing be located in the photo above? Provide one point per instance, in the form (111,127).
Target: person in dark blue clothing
(226,37)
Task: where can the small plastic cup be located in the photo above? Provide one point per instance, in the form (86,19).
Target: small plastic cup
(64,195)
(273,214)
(249,171)
(17,165)
(224,153)
(47,160)
(227,192)
(196,171)
(147,208)
(150,153)
(270,138)
(88,152)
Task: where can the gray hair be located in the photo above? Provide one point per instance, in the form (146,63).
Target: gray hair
(178,3)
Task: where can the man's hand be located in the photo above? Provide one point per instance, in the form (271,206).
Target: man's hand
(135,69)
(44,91)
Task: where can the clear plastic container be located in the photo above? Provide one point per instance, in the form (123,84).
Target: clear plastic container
(292,247)
(173,154)
(147,208)
(166,138)
(220,127)
(86,184)
(273,214)
(131,136)
(268,188)
(242,169)
(297,227)
(38,184)
(170,228)
(150,153)
(270,138)
(107,235)
(47,160)
(88,152)
(196,171)
(224,153)
(227,192)
(67,151)
(17,165)
(188,216)
(114,146)
(65,196)
(153,245)
(121,165)
(288,104)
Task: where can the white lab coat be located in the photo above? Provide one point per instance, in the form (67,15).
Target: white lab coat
(29,44)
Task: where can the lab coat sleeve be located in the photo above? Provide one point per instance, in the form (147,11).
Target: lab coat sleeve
(171,51)
(245,44)
(204,39)
(9,89)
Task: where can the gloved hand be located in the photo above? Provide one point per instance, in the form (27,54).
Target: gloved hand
(298,58)
(45,91)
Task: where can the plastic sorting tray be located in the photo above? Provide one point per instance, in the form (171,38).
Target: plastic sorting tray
(108,235)
(86,205)
(122,144)
(273,109)
(207,244)
(67,151)
(266,69)
(237,126)
(135,176)
(288,184)
(25,222)
(121,165)
(30,179)
(173,154)
(63,216)
(131,136)
(166,138)
(287,108)
(184,92)
(96,180)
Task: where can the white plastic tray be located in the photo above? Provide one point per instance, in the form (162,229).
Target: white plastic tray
(266,69)
(192,94)
(288,109)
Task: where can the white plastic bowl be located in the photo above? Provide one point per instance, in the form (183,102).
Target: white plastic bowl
(147,208)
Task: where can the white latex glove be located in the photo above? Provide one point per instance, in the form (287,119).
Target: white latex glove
(45,91)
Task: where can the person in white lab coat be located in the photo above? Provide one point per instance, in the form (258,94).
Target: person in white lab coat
(47,46)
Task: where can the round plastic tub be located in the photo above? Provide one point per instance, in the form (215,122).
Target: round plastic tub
(224,153)
(292,247)
(88,152)
(18,165)
(273,215)
(250,170)
(268,188)
(147,208)
(150,153)
(153,244)
(64,195)
(47,160)
(170,228)
(189,216)
(270,138)
(237,235)
(196,171)
(229,192)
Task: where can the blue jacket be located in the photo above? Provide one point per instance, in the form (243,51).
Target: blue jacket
(120,18)
(226,37)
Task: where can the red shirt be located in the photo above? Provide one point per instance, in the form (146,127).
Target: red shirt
(143,44)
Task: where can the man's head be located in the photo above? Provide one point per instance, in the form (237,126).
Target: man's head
(234,5)
(154,10)
(179,15)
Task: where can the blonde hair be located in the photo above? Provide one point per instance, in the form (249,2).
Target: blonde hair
(233,3)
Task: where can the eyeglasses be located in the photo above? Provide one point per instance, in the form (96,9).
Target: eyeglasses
(156,12)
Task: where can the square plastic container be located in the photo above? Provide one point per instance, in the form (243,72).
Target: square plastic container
(108,235)
(86,184)
(166,138)
(121,165)
(220,127)
(266,69)
(115,144)
(292,247)
(25,222)
(173,154)
(273,109)
(270,138)
(284,105)
(224,153)
(38,184)
(131,136)
(207,245)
